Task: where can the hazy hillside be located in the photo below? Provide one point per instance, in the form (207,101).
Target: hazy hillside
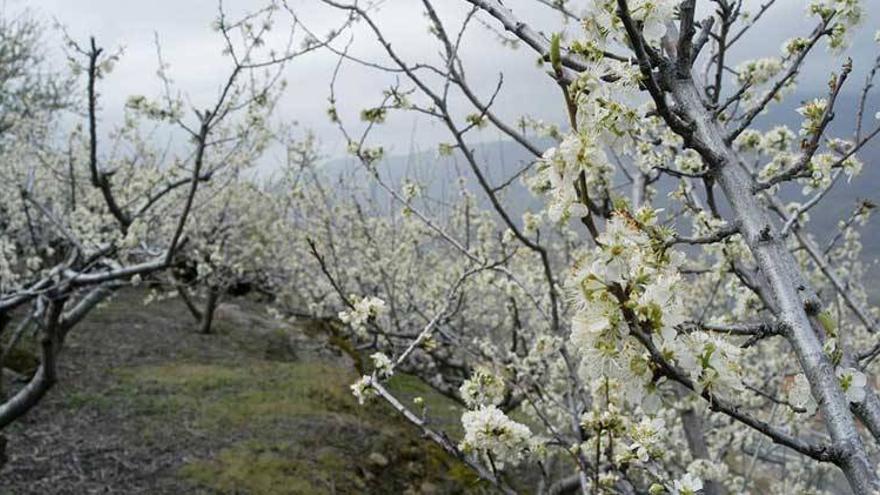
(503,159)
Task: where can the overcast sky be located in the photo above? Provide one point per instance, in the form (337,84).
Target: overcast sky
(193,51)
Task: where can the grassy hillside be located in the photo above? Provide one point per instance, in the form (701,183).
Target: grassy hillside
(146,405)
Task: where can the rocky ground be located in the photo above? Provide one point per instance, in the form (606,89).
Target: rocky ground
(146,405)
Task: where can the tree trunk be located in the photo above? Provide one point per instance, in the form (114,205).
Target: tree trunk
(780,270)
(210,308)
(694,432)
(54,327)
(187,300)
(28,396)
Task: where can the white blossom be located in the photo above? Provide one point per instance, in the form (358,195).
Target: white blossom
(361,389)
(687,485)
(364,310)
(853,383)
(482,388)
(382,363)
(489,430)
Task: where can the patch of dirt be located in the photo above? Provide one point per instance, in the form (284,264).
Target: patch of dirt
(146,405)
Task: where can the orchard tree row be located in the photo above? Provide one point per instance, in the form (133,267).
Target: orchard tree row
(616,340)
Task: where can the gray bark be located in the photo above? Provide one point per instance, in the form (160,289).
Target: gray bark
(210,308)
(692,423)
(777,265)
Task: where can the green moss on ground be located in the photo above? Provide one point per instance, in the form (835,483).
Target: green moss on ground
(443,411)
(258,408)
(294,428)
(265,468)
(22,360)
(250,394)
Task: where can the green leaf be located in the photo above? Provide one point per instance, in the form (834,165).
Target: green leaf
(555,57)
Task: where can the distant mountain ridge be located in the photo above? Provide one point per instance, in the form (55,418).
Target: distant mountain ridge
(503,159)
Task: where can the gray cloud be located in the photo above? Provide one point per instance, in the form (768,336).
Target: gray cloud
(193,51)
